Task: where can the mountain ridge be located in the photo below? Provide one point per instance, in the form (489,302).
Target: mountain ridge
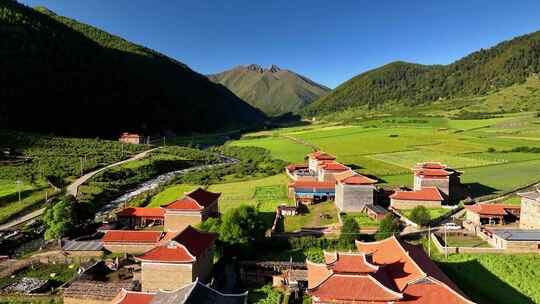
(273,90)
(65,77)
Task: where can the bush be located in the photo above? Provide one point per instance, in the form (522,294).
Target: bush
(420,215)
(349,233)
(491,150)
(388,226)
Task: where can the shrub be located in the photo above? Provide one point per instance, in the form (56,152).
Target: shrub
(420,215)
(388,226)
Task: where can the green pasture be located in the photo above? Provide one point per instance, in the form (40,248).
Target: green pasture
(170,194)
(31,196)
(361,218)
(8,187)
(318,215)
(279,148)
(408,159)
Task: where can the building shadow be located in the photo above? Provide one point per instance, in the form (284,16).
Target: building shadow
(476,190)
(481,285)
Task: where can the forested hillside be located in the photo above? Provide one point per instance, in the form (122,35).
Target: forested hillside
(505,64)
(273,90)
(61,76)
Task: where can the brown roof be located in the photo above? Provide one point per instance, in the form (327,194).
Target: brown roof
(334,166)
(349,263)
(432,173)
(425,194)
(133,297)
(492,209)
(197,199)
(104,291)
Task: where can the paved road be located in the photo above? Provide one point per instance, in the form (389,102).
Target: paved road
(72,189)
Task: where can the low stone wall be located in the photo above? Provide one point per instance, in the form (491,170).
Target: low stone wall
(450,250)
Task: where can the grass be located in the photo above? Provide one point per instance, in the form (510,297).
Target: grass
(463,241)
(434,213)
(31,196)
(408,159)
(279,148)
(362,219)
(495,278)
(57,273)
(313,217)
(170,194)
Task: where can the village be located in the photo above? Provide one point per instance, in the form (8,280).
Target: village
(161,255)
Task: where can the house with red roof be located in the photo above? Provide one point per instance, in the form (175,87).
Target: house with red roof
(388,271)
(435,174)
(137,217)
(178,260)
(317,158)
(312,191)
(328,170)
(354,191)
(194,208)
(131,242)
(492,214)
(429,197)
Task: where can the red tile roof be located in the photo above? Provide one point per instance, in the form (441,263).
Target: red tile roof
(185,247)
(431,165)
(334,166)
(197,199)
(126,236)
(492,209)
(293,167)
(319,155)
(432,292)
(425,194)
(344,287)
(349,263)
(358,180)
(142,212)
(432,173)
(133,297)
(313,184)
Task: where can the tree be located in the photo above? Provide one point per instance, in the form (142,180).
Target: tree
(348,234)
(241,225)
(420,215)
(58,220)
(388,226)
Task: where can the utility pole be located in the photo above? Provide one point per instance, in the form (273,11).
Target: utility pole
(429,241)
(18,182)
(81,166)
(445,244)
(164,140)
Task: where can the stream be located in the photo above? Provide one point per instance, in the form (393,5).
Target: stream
(154,183)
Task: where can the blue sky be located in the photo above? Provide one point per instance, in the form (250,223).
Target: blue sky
(327,41)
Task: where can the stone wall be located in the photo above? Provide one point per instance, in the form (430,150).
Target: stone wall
(441,249)
(167,276)
(409,204)
(353,198)
(176,221)
(530,214)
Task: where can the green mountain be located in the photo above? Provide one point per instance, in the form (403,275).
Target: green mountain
(273,90)
(411,85)
(65,77)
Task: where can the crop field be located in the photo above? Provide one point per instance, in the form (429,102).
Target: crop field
(495,278)
(31,196)
(279,148)
(386,148)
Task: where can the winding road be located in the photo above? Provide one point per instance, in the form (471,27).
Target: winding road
(71,189)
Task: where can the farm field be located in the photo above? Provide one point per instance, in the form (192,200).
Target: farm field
(463,241)
(31,196)
(386,148)
(495,278)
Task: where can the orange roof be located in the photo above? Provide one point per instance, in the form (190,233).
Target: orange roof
(319,155)
(425,194)
(312,184)
(133,297)
(185,247)
(126,236)
(197,199)
(293,167)
(492,209)
(142,212)
(401,268)
(344,287)
(358,180)
(433,173)
(334,166)
(432,292)
(431,165)
(349,263)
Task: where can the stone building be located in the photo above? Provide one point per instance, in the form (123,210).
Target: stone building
(387,271)
(514,240)
(530,210)
(438,175)
(354,192)
(180,260)
(317,158)
(429,197)
(193,209)
(491,214)
(131,242)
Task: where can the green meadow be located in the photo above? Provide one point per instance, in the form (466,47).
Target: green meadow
(387,147)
